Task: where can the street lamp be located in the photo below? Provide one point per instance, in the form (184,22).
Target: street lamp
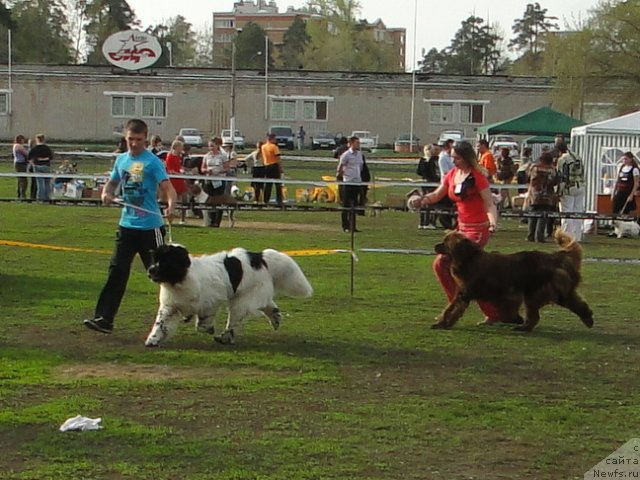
(266,77)
(232,120)
(413,76)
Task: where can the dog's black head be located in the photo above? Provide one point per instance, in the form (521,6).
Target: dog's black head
(170,264)
(458,247)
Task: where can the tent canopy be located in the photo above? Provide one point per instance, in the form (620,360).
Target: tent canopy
(543,121)
(626,124)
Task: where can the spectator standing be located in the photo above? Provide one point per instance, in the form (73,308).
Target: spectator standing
(41,157)
(506,171)
(301,135)
(227,147)
(350,170)
(445,165)
(445,162)
(343,146)
(571,190)
(214,163)
(138,176)
(272,168)
(486,160)
(155,145)
(522,174)
(173,164)
(255,162)
(20,163)
(623,198)
(428,170)
(541,195)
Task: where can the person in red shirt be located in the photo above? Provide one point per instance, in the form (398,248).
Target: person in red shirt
(468,188)
(173,164)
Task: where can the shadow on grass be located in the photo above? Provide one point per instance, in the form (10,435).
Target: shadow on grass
(15,287)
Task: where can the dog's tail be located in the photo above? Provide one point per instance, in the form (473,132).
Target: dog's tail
(569,245)
(288,278)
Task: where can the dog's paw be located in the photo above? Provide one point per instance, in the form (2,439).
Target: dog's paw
(275,318)
(588,321)
(440,326)
(517,320)
(523,328)
(151,344)
(226,338)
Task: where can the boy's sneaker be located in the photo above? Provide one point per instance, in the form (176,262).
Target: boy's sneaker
(99,324)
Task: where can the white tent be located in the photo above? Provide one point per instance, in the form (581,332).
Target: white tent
(601,145)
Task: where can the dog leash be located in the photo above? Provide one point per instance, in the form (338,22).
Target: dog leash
(164,217)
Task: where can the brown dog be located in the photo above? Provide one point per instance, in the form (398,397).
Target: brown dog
(533,277)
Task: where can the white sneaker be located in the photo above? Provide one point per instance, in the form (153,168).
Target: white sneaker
(429,227)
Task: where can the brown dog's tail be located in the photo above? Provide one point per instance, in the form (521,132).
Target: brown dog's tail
(569,245)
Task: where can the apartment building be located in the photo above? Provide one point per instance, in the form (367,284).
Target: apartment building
(266,14)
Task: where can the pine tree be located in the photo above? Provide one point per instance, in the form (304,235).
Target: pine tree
(250,45)
(295,42)
(178,42)
(104,18)
(41,34)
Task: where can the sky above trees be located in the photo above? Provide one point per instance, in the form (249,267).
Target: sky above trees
(436,26)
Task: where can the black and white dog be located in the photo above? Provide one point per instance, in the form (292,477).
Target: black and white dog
(198,286)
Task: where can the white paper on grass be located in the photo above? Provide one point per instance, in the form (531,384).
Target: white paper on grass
(81,423)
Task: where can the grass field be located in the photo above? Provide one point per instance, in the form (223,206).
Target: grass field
(349,387)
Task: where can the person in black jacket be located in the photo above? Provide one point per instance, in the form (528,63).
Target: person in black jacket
(428,170)
(41,157)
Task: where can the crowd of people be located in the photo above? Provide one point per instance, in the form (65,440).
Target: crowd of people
(32,157)
(553,182)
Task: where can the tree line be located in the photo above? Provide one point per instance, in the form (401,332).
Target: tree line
(598,53)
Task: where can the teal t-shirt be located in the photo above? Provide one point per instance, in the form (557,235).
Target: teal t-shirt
(139,178)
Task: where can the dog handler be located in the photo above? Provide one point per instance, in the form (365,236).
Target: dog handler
(138,175)
(467,186)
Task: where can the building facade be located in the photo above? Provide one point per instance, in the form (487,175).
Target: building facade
(275,24)
(92,103)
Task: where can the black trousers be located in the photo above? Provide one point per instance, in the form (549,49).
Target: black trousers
(350,198)
(128,243)
(258,187)
(272,171)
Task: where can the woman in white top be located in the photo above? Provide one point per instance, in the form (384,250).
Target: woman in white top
(20,163)
(626,185)
(215,163)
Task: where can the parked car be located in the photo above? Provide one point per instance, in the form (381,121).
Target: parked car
(323,140)
(238,138)
(456,135)
(505,141)
(368,140)
(284,136)
(191,136)
(403,144)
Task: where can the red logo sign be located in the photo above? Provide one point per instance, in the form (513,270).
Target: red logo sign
(131,49)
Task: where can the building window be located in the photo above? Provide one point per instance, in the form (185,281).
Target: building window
(314,110)
(4,103)
(472,113)
(224,37)
(283,109)
(154,107)
(441,113)
(123,106)
(224,23)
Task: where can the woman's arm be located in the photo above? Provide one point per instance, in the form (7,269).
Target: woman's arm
(433,197)
(490,208)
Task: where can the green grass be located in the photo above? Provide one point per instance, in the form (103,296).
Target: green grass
(349,387)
